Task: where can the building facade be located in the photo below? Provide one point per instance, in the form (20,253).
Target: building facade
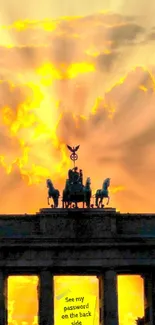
(97,242)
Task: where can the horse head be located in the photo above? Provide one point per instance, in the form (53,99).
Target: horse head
(49,183)
(106,183)
(88,181)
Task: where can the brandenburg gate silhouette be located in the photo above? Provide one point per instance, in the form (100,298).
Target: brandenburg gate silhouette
(100,242)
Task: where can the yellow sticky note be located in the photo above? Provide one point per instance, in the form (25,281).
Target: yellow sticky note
(73,309)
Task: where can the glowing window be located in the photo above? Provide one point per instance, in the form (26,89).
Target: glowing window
(130,298)
(22,300)
(76,300)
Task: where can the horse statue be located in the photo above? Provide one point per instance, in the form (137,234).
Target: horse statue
(103,193)
(52,193)
(87,193)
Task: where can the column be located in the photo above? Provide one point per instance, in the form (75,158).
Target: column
(148,299)
(3,299)
(110,298)
(101,300)
(46,298)
(153,297)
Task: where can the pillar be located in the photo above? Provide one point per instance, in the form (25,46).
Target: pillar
(110,298)
(3,299)
(46,298)
(101,300)
(153,297)
(148,300)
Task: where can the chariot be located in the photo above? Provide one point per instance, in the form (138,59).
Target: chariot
(75,191)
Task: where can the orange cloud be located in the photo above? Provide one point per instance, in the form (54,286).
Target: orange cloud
(63,89)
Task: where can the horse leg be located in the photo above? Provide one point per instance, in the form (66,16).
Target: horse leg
(100,202)
(87,202)
(48,201)
(108,200)
(96,200)
(56,199)
(83,201)
(56,202)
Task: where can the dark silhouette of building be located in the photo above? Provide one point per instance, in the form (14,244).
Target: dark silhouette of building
(99,242)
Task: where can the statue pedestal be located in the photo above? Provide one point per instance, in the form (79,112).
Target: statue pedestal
(78,224)
(91,210)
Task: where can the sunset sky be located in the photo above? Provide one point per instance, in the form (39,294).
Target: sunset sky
(77,72)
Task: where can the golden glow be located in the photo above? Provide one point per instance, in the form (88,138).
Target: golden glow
(98,102)
(37,119)
(79,68)
(22,25)
(48,73)
(65,78)
(92,52)
(117,189)
(130,299)
(23,297)
(22,300)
